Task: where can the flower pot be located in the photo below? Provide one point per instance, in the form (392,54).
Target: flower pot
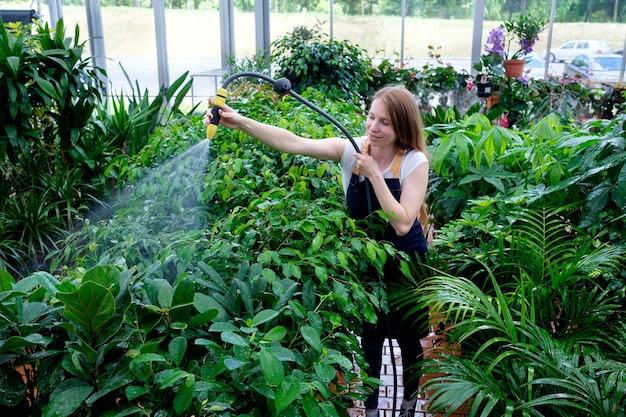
(514,68)
(483,89)
(492,101)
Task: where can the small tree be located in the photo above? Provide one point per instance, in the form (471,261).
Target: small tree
(307,59)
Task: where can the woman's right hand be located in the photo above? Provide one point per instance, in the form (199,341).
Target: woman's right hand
(228,117)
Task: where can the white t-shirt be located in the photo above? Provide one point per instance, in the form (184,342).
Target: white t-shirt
(412,159)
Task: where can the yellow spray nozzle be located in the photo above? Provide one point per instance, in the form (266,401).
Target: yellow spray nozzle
(220,97)
(211,130)
(219,101)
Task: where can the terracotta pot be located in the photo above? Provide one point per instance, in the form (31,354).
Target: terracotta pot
(435,346)
(492,100)
(514,67)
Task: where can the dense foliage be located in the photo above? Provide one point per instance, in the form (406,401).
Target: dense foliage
(231,301)
(223,278)
(58,138)
(528,268)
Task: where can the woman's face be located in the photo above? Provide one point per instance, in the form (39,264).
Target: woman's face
(378,126)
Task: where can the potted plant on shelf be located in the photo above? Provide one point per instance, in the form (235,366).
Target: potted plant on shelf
(488,71)
(483,84)
(524,30)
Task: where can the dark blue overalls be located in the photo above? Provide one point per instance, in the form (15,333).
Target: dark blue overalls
(407,332)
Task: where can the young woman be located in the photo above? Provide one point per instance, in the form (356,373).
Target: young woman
(393,159)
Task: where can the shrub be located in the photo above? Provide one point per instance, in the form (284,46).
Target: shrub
(336,68)
(57,137)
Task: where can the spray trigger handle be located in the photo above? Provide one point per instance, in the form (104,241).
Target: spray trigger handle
(220,100)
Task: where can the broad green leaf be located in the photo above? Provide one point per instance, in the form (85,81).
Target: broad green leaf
(462,149)
(169,377)
(106,275)
(286,393)
(372,251)
(223,326)
(286,289)
(311,406)
(133,392)
(321,273)
(203,303)
(283,353)
(6,280)
(329,409)
(65,402)
(233,363)
(620,194)
(233,339)
(316,244)
(203,318)
(91,306)
(246,297)
(276,334)
(160,292)
(140,365)
(12,387)
(16,344)
(312,337)
(325,372)
(47,281)
(315,320)
(112,381)
(47,87)
(263,316)
(177,348)
(496,182)
(441,153)
(271,367)
(14,64)
(184,396)
(291,270)
(182,302)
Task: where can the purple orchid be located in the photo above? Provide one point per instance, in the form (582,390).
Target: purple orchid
(495,41)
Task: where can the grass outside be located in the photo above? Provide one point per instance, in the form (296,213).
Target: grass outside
(196,33)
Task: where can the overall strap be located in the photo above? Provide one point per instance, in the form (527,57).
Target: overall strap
(397,160)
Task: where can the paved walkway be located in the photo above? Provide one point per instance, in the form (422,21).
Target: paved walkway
(386,392)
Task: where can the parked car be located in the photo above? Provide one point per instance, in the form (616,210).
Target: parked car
(595,68)
(572,49)
(535,67)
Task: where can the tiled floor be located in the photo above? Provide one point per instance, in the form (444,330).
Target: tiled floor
(386,398)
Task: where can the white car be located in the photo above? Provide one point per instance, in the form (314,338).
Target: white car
(572,49)
(595,68)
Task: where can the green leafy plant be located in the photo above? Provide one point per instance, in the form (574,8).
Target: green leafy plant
(58,137)
(523,30)
(389,72)
(135,117)
(251,311)
(333,67)
(535,313)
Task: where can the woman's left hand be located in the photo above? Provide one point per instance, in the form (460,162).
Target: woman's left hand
(366,165)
